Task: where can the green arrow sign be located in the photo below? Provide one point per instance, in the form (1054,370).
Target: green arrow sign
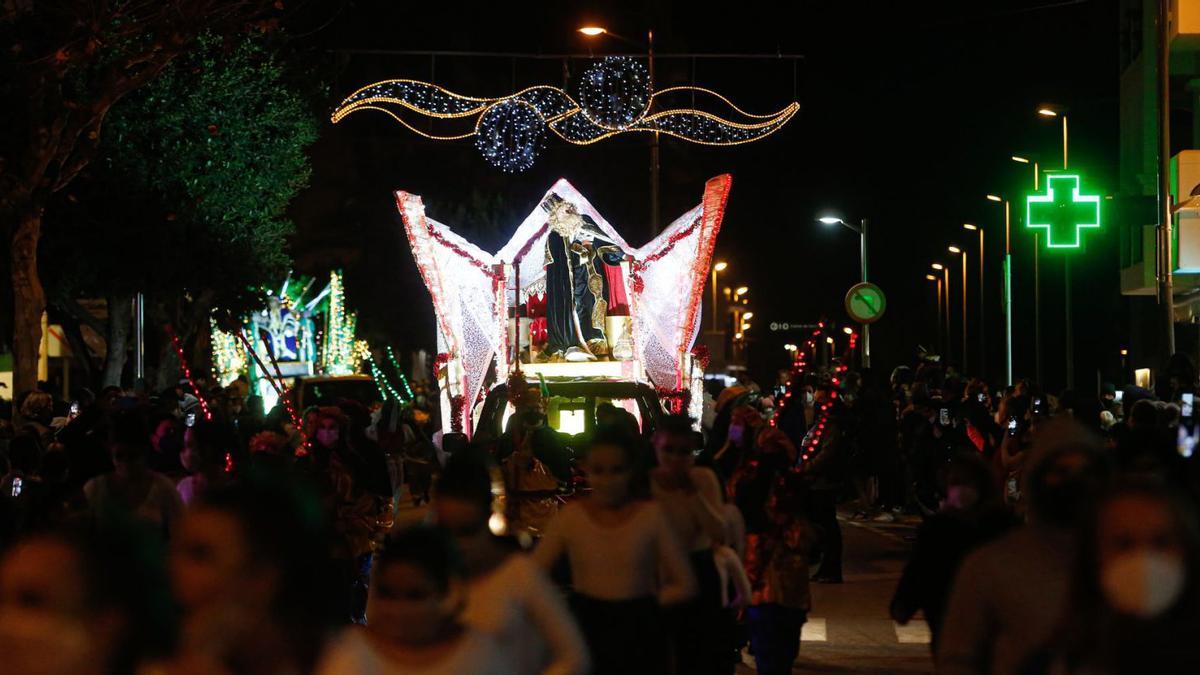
(1062,212)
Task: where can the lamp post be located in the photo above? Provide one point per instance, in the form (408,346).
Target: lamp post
(861,229)
(970,227)
(963,252)
(944,283)
(1051,112)
(592,31)
(719,267)
(1007,290)
(937,323)
(1037,283)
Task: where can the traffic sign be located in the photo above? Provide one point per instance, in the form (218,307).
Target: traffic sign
(865,302)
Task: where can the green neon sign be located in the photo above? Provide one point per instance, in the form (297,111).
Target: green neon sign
(1062,212)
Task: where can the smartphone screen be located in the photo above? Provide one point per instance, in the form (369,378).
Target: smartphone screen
(1186,408)
(190,420)
(1012,426)
(944,417)
(1037,406)
(74,409)
(1119,395)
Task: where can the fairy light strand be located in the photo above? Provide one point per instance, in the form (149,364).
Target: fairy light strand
(187,372)
(615,97)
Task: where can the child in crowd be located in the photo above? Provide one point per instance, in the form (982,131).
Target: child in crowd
(413,621)
(508,595)
(625,562)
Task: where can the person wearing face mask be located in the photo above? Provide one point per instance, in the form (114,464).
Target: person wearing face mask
(626,564)
(78,602)
(415,626)
(132,487)
(507,595)
(1010,595)
(1136,600)
(690,497)
(250,573)
(971,514)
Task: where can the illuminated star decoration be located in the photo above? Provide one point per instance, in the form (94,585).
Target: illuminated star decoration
(1063,212)
(614,98)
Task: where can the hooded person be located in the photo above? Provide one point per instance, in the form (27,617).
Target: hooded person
(1010,595)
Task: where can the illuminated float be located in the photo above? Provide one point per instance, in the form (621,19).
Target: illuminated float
(567,299)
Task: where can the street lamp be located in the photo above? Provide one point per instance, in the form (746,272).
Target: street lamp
(1007,286)
(938,317)
(741,290)
(594,31)
(971,227)
(719,267)
(861,229)
(1037,282)
(958,251)
(945,284)
(1051,111)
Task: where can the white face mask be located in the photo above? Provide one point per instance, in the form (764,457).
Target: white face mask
(1143,583)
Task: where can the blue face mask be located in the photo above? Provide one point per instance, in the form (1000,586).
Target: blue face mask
(736,433)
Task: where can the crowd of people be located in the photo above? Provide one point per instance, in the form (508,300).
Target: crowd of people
(188,534)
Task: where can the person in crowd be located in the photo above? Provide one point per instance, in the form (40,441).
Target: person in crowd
(1136,600)
(132,486)
(690,497)
(507,595)
(777,563)
(207,456)
(249,570)
(414,624)
(530,485)
(36,416)
(972,514)
(826,473)
(81,602)
(625,562)
(744,424)
(359,516)
(1010,594)
(166,442)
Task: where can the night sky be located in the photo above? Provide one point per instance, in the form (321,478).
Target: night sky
(909,114)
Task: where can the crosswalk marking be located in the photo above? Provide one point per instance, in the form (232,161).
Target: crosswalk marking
(813,630)
(915,631)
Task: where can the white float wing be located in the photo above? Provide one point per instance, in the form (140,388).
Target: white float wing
(668,283)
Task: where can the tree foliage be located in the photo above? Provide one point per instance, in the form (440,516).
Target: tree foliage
(187,199)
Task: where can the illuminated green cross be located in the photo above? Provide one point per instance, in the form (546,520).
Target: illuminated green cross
(1062,211)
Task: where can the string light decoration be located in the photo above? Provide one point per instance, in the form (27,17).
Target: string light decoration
(510,134)
(615,98)
(229,357)
(615,93)
(187,372)
(399,372)
(338,355)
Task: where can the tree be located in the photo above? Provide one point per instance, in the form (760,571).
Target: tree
(187,200)
(64,65)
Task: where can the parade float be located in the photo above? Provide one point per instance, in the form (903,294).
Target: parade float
(566,300)
(298,334)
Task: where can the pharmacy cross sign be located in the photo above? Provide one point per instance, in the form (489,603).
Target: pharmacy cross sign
(1062,211)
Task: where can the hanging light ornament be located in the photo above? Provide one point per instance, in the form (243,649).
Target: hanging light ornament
(509,135)
(615,98)
(615,93)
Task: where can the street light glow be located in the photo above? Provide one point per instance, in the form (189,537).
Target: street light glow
(994,198)
(737,336)
(829,340)
(1022,160)
(748,315)
(969,226)
(954,249)
(592,31)
(830,220)
(848,330)
(1047,112)
(741,290)
(720,267)
(938,266)
(931,277)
